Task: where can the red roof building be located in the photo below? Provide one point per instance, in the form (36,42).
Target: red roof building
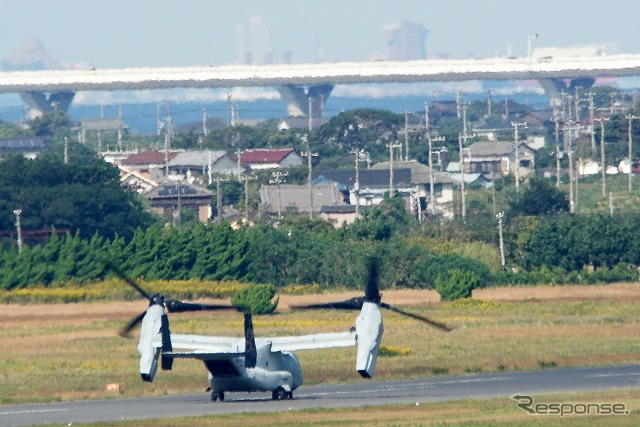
(264,158)
(145,158)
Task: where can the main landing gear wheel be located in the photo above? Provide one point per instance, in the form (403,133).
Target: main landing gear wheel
(215,396)
(280,394)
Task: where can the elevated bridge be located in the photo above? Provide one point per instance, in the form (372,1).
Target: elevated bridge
(304,87)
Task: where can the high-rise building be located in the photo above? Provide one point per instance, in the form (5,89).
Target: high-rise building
(406,41)
(254,42)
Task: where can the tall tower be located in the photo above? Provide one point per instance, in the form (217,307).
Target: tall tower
(406,41)
(254,42)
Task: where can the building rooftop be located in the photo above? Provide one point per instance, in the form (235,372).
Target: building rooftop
(196,158)
(263,155)
(148,158)
(297,196)
(368,178)
(491,148)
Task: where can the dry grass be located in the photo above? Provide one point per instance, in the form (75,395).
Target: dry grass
(71,351)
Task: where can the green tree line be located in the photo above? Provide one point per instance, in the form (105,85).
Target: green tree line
(299,252)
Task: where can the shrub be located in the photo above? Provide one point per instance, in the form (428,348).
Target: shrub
(458,284)
(256,299)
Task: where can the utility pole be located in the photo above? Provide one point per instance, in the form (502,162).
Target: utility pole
(430,140)
(218,201)
(179,204)
(310,116)
(391,146)
(406,136)
(577,182)
(462,190)
(499,216)
(230,114)
(169,127)
(591,120)
(66,151)
(356,187)
(120,126)
(489,103)
(238,153)
(209,165)
(576,107)
(277,175)
(166,154)
(463,144)
(556,121)
(568,130)
(17,213)
(602,162)
(630,118)
(205,130)
(246,199)
(309,155)
(516,125)
(612,104)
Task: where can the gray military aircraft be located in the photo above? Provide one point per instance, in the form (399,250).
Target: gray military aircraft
(252,364)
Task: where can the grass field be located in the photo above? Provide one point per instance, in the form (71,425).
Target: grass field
(71,351)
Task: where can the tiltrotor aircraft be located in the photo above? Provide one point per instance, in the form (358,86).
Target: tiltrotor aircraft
(257,364)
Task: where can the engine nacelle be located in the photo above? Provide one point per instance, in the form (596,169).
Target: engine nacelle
(150,342)
(369,330)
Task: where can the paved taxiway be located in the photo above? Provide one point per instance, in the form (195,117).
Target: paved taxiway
(429,389)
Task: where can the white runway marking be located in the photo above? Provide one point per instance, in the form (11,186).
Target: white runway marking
(33,411)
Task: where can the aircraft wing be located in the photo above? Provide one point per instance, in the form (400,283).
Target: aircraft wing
(310,342)
(201,344)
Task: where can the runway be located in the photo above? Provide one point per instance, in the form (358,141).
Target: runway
(364,392)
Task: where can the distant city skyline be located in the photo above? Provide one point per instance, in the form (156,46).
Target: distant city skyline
(120,33)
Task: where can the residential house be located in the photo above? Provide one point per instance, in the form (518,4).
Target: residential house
(171,199)
(198,165)
(373,184)
(338,214)
(487,157)
(421,183)
(265,158)
(151,164)
(283,197)
(29,147)
(136,181)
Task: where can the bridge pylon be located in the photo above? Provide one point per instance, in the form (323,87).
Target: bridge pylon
(297,99)
(40,103)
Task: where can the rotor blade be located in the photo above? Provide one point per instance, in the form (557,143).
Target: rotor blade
(175,306)
(129,281)
(350,304)
(438,325)
(134,322)
(372,292)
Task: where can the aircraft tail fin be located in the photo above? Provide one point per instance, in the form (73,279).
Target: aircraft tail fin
(250,352)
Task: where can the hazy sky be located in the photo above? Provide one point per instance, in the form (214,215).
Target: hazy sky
(132,33)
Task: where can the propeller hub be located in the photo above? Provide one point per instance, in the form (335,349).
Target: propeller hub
(157,299)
